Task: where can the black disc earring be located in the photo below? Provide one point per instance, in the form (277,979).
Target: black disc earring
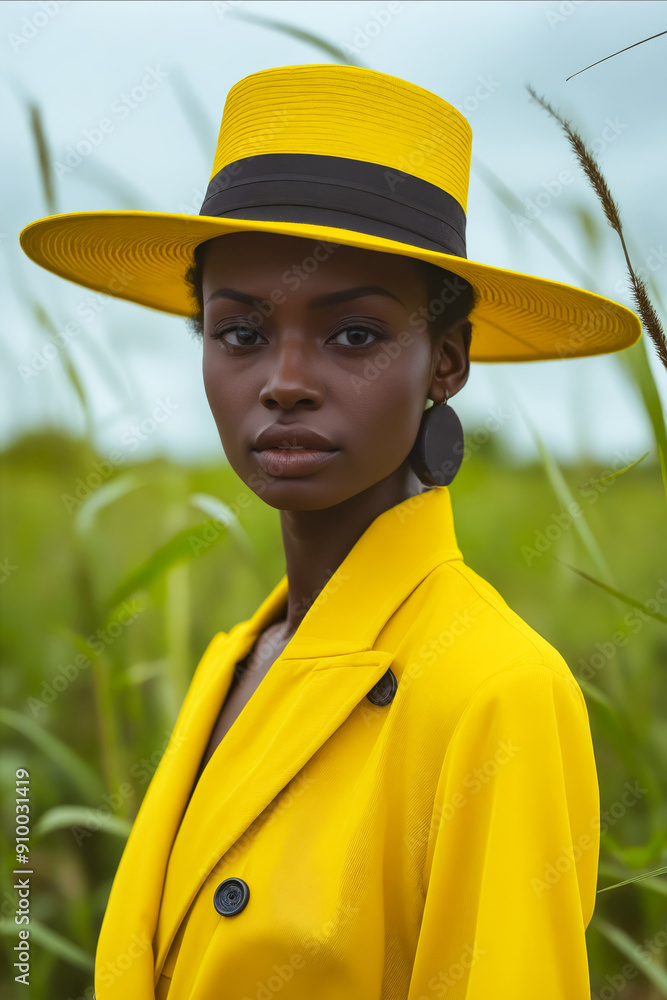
(437,453)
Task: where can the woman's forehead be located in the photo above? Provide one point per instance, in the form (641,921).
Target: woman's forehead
(251,253)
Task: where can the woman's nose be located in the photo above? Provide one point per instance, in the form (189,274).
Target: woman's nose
(292,379)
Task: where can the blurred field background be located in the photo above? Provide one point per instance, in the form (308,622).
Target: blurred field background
(105,607)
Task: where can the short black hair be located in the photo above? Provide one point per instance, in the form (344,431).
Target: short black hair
(450,297)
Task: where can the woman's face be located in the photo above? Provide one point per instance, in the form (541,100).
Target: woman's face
(318,346)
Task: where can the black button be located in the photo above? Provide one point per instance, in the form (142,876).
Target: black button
(231,896)
(385,689)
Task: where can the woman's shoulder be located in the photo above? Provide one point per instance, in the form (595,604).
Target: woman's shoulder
(458,633)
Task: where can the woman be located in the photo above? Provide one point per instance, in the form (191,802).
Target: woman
(381,786)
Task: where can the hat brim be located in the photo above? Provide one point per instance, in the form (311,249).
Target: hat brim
(142,257)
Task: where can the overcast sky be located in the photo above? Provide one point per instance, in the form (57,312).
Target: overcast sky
(77,59)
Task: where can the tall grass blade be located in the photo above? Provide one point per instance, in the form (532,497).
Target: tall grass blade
(177,626)
(116,186)
(624,943)
(216,508)
(608,869)
(73,378)
(77,770)
(300,34)
(194,112)
(627,47)
(186,545)
(566,499)
(596,694)
(515,206)
(588,227)
(637,878)
(636,755)
(644,608)
(54,943)
(119,377)
(43,155)
(611,210)
(63,817)
(144,670)
(105,363)
(613,475)
(637,366)
(78,641)
(107,494)
(104,697)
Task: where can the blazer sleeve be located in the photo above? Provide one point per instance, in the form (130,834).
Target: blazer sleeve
(512,856)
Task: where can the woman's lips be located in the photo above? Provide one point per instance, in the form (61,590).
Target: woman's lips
(293,462)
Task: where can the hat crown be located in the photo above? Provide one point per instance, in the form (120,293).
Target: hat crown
(350,112)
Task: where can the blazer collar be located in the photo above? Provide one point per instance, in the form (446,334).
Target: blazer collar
(397,550)
(326,669)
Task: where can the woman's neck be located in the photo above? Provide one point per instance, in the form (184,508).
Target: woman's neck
(317,541)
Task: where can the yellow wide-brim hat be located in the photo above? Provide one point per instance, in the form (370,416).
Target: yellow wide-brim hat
(342,155)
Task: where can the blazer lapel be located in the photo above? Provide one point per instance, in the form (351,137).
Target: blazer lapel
(295,709)
(325,670)
(124,960)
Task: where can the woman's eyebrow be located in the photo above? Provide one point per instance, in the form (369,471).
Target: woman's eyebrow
(330,299)
(232,293)
(346,294)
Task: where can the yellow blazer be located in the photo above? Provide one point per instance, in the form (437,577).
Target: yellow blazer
(442,845)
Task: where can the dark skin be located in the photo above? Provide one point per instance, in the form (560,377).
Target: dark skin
(286,358)
(298,365)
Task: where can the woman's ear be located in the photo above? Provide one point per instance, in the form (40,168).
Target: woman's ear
(451,361)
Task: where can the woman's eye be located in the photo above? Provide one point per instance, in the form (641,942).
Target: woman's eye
(245,336)
(357,336)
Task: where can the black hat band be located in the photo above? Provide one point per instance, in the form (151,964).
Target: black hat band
(343,193)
